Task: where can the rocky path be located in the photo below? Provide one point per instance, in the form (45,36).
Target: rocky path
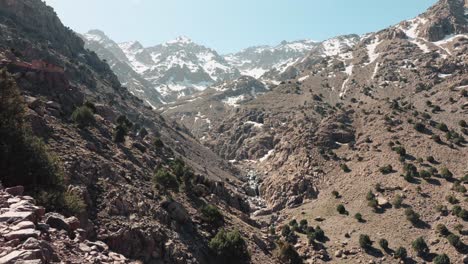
(29,235)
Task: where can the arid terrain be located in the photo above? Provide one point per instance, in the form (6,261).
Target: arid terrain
(351,150)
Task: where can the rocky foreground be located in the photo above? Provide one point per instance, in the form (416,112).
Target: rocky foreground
(29,235)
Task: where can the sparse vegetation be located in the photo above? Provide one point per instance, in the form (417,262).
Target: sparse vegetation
(122,128)
(401,253)
(442,259)
(365,242)
(420,127)
(341,209)
(446,173)
(398,201)
(383,243)
(336,194)
(211,214)
(358,217)
(386,169)
(442,230)
(420,246)
(412,216)
(345,168)
(83,116)
(165,179)
(288,254)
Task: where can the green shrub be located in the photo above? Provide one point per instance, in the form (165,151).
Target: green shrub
(462,123)
(459,187)
(303,224)
(370,196)
(383,243)
(412,216)
(436,138)
(442,259)
(454,240)
(442,209)
(91,106)
(341,209)
(442,230)
(358,217)
(400,150)
(122,128)
(211,214)
(24,158)
(83,116)
(229,246)
(73,203)
(401,253)
(285,231)
(345,168)
(442,127)
(398,201)
(288,254)
(420,246)
(373,204)
(420,127)
(430,159)
(458,228)
(446,173)
(386,169)
(451,199)
(425,174)
(365,242)
(336,194)
(165,179)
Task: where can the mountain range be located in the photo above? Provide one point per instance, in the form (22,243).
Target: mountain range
(178,68)
(350,150)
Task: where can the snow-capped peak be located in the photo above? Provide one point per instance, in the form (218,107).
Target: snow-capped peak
(180,40)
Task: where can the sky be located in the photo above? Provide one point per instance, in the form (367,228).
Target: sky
(232,25)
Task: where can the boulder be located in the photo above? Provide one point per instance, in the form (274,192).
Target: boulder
(23,225)
(11,217)
(57,221)
(15,191)
(22,234)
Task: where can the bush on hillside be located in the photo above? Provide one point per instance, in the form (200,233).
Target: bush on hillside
(211,214)
(365,241)
(229,247)
(442,259)
(83,116)
(420,246)
(401,253)
(288,254)
(164,178)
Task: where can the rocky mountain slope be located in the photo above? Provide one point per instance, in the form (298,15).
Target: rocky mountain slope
(138,184)
(355,153)
(108,50)
(335,123)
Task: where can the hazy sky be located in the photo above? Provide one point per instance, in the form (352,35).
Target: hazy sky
(231,25)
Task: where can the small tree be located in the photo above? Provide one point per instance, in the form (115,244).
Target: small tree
(430,159)
(341,209)
(365,242)
(420,127)
(386,169)
(358,217)
(442,230)
(165,179)
(345,168)
(83,116)
(336,194)
(454,240)
(401,253)
(398,201)
(412,216)
(442,259)
(229,246)
(446,173)
(420,246)
(383,243)
(211,214)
